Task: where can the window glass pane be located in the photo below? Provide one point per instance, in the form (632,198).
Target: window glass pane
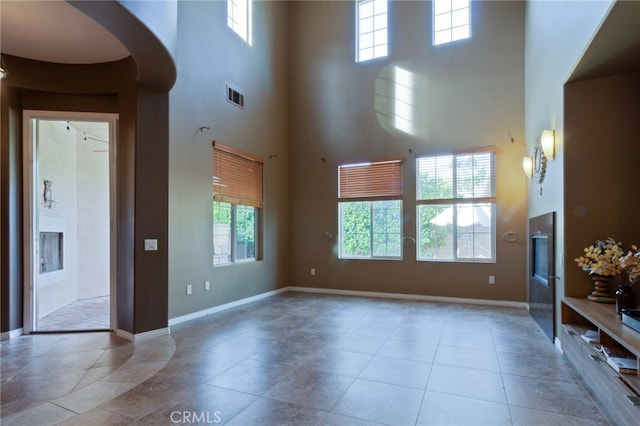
(442,22)
(387,225)
(366,9)
(475,224)
(459,4)
(366,54)
(460,33)
(380,51)
(355,229)
(442,37)
(441,6)
(366,41)
(366,25)
(245,233)
(435,177)
(380,22)
(380,38)
(435,232)
(380,6)
(459,17)
(221,233)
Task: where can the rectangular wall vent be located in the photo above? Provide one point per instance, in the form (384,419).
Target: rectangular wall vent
(235,96)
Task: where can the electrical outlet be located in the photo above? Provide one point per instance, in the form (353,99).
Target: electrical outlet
(207,285)
(492,279)
(189,289)
(313,271)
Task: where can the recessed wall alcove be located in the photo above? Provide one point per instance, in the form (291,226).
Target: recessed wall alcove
(602,143)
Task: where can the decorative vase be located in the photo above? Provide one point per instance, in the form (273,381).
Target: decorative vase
(601,293)
(625,298)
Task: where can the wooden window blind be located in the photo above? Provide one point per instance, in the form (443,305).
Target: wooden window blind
(237,176)
(374,180)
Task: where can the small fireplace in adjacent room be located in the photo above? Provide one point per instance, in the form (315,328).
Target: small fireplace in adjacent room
(51,251)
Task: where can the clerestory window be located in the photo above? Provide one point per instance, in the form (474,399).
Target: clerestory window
(451,20)
(239,18)
(372,29)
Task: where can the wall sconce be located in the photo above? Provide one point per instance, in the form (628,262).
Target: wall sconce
(527,166)
(548,143)
(3,69)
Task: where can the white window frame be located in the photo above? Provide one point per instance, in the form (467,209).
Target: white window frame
(451,21)
(240,19)
(372,30)
(486,200)
(372,234)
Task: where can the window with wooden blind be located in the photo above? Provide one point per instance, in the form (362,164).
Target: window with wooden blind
(237,204)
(456,206)
(370,210)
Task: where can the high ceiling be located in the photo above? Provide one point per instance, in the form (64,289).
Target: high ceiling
(55,31)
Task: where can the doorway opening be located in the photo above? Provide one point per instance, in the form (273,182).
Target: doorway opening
(69,209)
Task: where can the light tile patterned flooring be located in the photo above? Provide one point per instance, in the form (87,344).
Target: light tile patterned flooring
(302,359)
(83,314)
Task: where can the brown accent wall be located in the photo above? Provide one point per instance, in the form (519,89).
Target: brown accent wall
(11,209)
(466,94)
(602,131)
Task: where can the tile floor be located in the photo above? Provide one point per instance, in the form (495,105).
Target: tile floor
(83,314)
(303,359)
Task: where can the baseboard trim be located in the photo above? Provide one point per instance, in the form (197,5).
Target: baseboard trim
(143,336)
(12,334)
(401,296)
(209,311)
(418,297)
(558,344)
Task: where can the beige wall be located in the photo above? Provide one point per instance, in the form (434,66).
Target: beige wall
(209,55)
(467,94)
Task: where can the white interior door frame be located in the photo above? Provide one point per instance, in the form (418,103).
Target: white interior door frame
(30,207)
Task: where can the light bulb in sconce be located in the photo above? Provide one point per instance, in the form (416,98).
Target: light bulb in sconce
(527,166)
(548,143)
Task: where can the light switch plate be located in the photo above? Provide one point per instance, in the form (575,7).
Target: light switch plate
(150,244)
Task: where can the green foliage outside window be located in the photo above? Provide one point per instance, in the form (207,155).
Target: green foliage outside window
(245,230)
(371,229)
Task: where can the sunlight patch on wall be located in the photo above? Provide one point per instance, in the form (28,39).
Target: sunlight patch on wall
(403,102)
(398,94)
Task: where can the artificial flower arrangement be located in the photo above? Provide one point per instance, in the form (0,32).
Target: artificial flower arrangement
(602,258)
(630,264)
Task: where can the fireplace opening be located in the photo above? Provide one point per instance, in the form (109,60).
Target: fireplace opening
(540,258)
(51,249)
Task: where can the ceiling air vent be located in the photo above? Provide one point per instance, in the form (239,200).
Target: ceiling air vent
(235,96)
